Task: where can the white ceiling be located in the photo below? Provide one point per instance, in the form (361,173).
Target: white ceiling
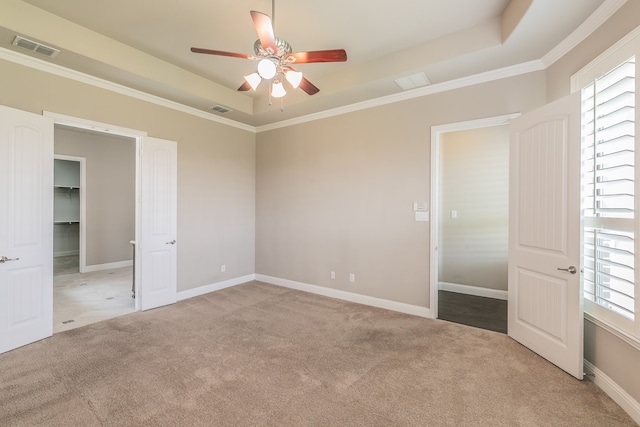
(145,44)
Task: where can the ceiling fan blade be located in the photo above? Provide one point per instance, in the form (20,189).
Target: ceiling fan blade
(264,28)
(245,86)
(220,52)
(332,55)
(308,87)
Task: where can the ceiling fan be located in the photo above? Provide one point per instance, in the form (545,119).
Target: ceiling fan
(276,58)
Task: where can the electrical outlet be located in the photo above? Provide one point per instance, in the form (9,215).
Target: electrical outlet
(223,268)
(352,277)
(333,274)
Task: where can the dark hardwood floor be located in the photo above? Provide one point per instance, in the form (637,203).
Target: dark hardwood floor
(480,312)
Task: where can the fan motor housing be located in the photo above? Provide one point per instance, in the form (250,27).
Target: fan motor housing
(284,48)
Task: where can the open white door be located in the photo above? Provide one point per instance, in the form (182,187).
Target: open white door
(26,228)
(545,291)
(157,246)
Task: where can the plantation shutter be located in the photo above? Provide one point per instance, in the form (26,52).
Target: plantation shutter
(608,190)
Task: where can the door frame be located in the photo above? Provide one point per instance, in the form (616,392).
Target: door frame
(436,133)
(75,122)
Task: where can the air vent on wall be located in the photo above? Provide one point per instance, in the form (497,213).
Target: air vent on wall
(36,47)
(220,109)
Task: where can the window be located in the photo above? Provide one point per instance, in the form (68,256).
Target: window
(608,190)
(610,181)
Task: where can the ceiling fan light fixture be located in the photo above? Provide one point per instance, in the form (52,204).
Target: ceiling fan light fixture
(254,80)
(267,69)
(277,90)
(294,77)
(274,57)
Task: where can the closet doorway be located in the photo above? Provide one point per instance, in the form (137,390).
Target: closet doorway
(94,226)
(470,195)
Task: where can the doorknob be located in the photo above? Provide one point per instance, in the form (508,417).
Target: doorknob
(4,259)
(173,242)
(571,269)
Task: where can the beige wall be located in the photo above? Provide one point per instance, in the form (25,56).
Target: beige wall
(110,191)
(474,182)
(216,167)
(610,354)
(337,194)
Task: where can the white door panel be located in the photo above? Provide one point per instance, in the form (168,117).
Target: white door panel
(26,228)
(545,303)
(157,245)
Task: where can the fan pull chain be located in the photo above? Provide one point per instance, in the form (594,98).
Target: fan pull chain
(273,15)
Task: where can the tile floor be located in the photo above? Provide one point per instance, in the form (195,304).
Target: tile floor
(82,299)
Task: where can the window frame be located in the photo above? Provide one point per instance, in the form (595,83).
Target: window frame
(620,52)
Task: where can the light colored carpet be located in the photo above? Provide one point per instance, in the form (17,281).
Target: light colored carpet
(261,355)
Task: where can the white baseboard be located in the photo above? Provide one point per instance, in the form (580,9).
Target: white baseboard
(615,392)
(319,290)
(473,290)
(201,290)
(347,296)
(108,266)
(65,253)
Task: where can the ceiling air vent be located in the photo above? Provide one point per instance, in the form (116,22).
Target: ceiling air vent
(413,81)
(220,109)
(36,47)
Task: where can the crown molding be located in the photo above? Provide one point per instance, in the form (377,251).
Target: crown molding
(604,12)
(489,76)
(592,23)
(47,67)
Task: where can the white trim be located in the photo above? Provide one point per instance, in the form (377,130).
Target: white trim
(201,290)
(474,124)
(77,122)
(603,59)
(615,392)
(68,73)
(489,76)
(347,296)
(108,266)
(434,228)
(609,327)
(436,131)
(473,290)
(138,135)
(597,18)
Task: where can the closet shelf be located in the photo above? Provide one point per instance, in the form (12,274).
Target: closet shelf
(70,187)
(73,221)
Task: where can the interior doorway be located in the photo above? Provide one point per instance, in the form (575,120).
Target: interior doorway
(94,226)
(470,186)
(69,182)
(27,164)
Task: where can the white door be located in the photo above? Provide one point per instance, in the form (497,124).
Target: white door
(26,228)
(545,291)
(157,245)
